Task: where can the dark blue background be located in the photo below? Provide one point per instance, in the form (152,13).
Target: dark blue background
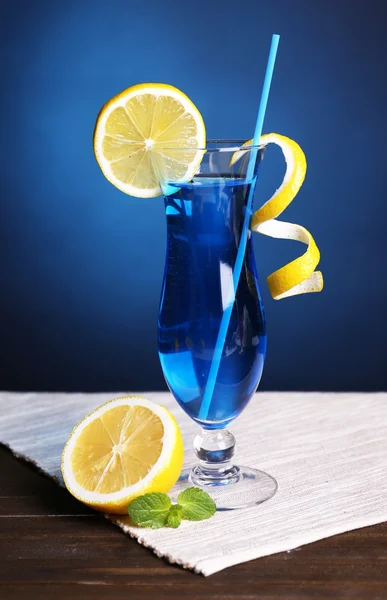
(81,264)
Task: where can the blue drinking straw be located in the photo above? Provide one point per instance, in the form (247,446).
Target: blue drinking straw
(209,389)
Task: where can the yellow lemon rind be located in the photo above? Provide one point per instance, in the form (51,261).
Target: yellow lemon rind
(298,276)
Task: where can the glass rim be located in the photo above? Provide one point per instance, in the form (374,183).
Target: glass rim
(227,146)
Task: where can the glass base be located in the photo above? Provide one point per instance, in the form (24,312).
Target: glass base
(241,488)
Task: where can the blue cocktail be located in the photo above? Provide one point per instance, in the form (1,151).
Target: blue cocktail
(204,223)
(206,232)
(150,139)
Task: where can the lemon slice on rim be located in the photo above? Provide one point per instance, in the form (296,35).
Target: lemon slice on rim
(125,448)
(136,133)
(298,276)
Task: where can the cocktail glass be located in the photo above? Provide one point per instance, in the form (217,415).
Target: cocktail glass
(205,221)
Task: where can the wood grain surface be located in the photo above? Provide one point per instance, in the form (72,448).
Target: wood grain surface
(53,547)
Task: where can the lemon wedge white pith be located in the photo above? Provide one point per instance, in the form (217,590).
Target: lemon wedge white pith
(125,448)
(138,129)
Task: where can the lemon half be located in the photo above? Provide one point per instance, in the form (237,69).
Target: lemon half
(125,448)
(137,133)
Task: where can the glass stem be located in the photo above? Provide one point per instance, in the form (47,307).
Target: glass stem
(215,450)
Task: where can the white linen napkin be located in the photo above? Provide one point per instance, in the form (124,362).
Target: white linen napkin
(327,451)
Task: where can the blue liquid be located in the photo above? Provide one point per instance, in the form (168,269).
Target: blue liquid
(204,223)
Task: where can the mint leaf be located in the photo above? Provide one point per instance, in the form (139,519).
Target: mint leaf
(150,510)
(174,516)
(196,504)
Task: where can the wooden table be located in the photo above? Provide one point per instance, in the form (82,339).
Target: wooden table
(51,546)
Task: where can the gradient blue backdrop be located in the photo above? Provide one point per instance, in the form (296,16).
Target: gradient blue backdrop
(81,264)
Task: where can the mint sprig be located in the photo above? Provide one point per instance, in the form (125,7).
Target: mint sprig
(156,510)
